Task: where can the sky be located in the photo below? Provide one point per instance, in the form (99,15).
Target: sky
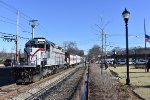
(77,21)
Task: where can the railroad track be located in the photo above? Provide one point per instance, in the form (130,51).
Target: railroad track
(9,90)
(16,91)
(64,90)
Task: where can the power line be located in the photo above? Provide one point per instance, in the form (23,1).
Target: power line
(7,35)
(8,18)
(23,37)
(41,28)
(8,7)
(7,22)
(20,25)
(23,28)
(14,10)
(24,16)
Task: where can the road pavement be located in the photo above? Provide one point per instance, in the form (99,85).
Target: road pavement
(6,75)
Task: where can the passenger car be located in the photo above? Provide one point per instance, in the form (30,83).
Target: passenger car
(121,62)
(140,61)
(9,62)
(98,62)
(109,62)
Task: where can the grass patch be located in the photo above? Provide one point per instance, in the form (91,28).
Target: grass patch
(139,79)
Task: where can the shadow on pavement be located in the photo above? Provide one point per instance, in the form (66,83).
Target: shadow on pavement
(7,76)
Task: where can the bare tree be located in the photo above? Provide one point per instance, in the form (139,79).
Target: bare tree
(3,53)
(71,47)
(94,52)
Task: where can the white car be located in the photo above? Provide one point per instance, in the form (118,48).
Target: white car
(140,61)
(109,62)
(131,62)
(121,62)
(98,62)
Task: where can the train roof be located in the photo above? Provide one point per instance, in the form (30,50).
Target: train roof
(39,38)
(43,39)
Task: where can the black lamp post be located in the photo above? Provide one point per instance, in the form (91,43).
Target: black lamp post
(114,63)
(135,56)
(125,15)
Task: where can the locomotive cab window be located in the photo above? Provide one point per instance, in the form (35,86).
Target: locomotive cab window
(34,45)
(47,47)
(40,46)
(27,45)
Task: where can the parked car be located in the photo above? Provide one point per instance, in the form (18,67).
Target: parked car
(9,62)
(98,62)
(140,61)
(109,62)
(121,62)
(131,62)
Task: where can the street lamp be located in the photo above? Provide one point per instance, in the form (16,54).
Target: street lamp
(135,56)
(125,15)
(114,62)
(33,23)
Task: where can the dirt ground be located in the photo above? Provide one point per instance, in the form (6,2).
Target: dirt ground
(139,80)
(104,86)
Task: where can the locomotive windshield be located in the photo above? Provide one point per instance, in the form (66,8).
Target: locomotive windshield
(35,45)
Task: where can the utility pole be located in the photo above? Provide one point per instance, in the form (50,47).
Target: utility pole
(105,46)
(102,27)
(102,51)
(33,23)
(17,24)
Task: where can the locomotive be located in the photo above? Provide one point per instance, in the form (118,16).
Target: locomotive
(43,58)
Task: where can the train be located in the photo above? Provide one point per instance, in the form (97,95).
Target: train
(43,58)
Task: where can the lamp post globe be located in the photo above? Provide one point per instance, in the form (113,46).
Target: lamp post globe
(125,15)
(33,23)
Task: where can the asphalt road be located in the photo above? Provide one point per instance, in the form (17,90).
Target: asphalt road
(6,76)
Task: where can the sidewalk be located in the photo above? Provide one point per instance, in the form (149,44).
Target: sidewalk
(106,87)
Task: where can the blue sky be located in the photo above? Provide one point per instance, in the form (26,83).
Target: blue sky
(74,20)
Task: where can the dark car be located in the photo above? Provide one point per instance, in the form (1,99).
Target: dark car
(9,62)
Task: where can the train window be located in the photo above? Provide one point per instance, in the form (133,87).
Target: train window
(34,45)
(40,45)
(27,45)
(47,47)
(59,48)
(48,55)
